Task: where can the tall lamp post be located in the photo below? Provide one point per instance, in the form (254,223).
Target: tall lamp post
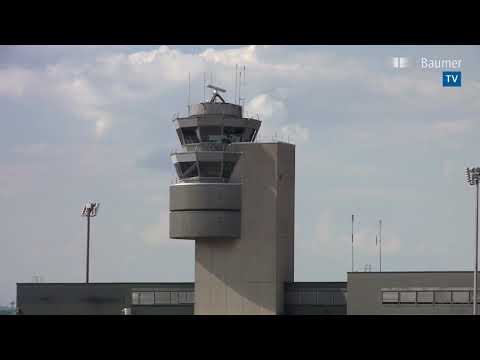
(89,210)
(473,178)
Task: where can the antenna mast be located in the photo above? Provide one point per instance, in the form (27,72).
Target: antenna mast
(236,71)
(204,84)
(380,243)
(189,93)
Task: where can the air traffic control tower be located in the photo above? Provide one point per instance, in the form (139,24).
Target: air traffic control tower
(235,198)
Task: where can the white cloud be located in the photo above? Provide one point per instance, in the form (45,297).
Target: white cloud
(274,115)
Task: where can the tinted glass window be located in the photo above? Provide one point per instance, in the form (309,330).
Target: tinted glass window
(178,170)
(146,298)
(211,134)
(190,135)
(408,297)
(228,169)
(162,297)
(247,135)
(461,297)
(390,297)
(135,298)
(425,297)
(210,168)
(443,297)
(233,134)
(188,169)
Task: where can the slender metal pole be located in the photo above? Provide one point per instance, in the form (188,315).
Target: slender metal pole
(380,245)
(352,243)
(475,287)
(88,243)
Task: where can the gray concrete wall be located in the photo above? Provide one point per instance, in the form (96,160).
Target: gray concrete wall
(247,275)
(206,224)
(365,298)
(91,299)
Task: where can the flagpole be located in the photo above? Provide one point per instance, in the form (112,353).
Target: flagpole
(352,243)
(380,223)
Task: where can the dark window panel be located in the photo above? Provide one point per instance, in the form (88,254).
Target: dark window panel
(188,169)
(211,134)
(190,135)
(390,297)
(248,135)
(210,168)
(233,134)
(228,169)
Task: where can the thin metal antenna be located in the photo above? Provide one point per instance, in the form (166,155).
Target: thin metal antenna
(352,241)
(189,93)
(380,243)
(236,72)
(244,70)
(240,87)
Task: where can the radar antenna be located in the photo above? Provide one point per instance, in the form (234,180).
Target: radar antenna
(215,95)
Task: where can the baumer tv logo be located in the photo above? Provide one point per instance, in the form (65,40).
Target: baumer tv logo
(452,79)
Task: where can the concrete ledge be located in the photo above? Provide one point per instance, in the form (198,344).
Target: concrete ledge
(207,224)
(205,196)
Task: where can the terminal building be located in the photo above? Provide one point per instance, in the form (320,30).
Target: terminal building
(235,198)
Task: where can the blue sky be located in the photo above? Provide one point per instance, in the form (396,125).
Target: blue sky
(93,122)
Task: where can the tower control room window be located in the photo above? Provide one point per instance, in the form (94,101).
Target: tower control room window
(233,134)
(248,135)
(210,168)
(228,169)
(211,134)
(190,135)
(188,169)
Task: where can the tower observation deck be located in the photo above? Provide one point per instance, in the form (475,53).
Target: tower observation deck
(204,203)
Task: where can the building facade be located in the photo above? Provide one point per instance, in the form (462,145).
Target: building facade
(410,293)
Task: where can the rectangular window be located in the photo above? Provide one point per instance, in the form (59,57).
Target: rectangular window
(188,169)
(227,169)
(162,297)
(211,134)
(460,297)
(443,297)
(425,297)
(408,297)
(233,134)
(174,297)
(390,297)
(210,168)
(248,135)
(135,298)
(478,296)
(185,297)
(146,298)
(190,135)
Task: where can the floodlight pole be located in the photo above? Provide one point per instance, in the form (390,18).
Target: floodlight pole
(475,286)
(88,243)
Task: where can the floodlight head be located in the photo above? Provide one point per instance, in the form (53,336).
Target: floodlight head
(90,209)
(473,175)
(216,88)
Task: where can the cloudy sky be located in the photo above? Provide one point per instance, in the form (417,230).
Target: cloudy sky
(94,122)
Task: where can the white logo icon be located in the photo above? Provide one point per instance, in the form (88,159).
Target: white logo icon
(400,62)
